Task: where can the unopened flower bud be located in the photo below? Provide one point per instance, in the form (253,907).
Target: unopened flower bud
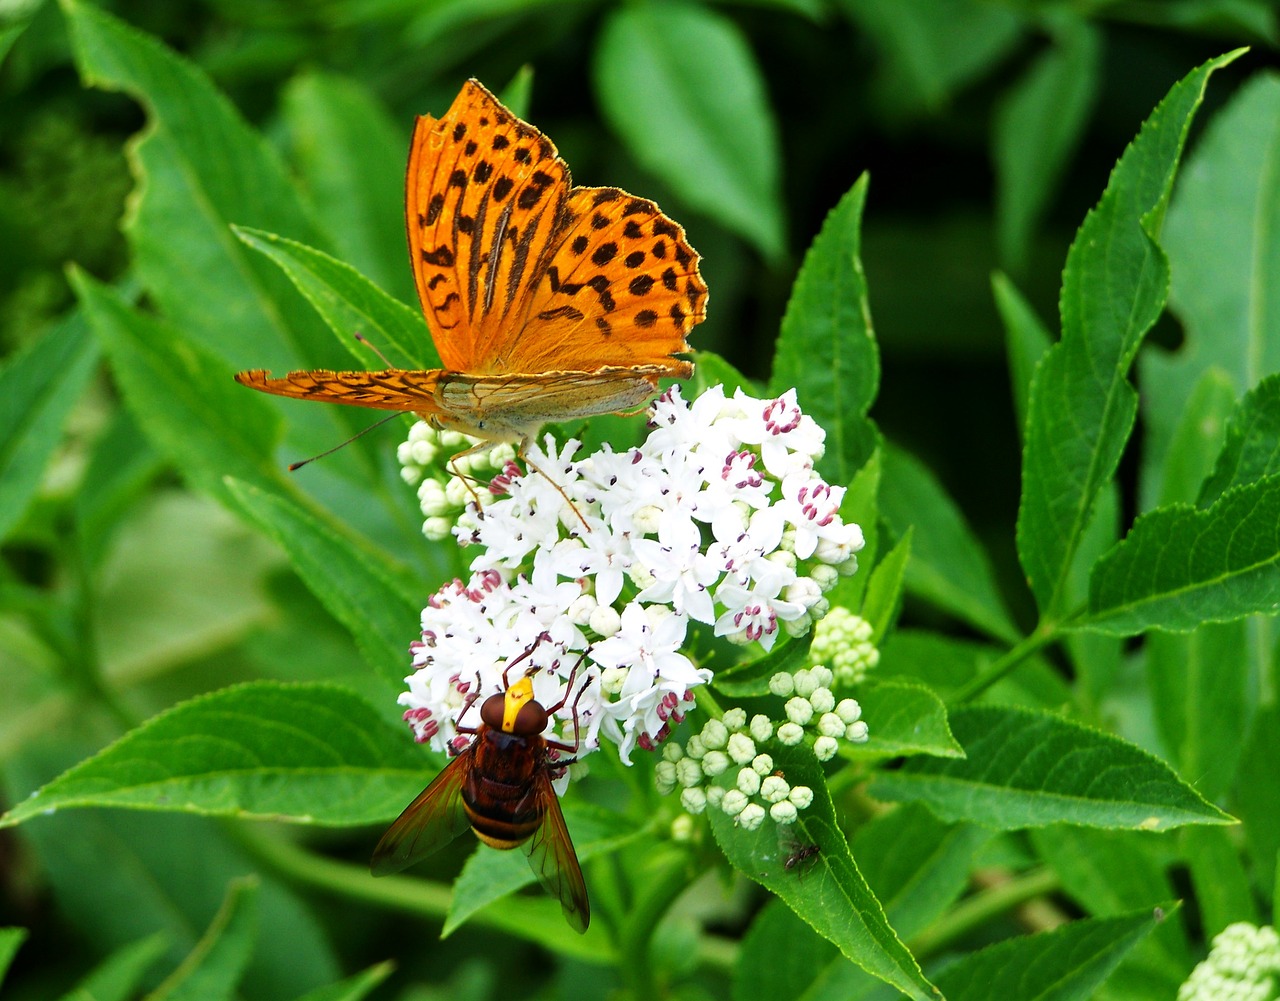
(715,763)
(791,734)
(801,796)
(751,817)
(694,800)
(715,734)
(824,748)
(741,748)
(762,764)
(761,728)
(782,684)
(734,801)
(749,781)
(783,812)
(799,710)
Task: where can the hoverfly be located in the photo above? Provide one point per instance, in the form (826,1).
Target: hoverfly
(500,787)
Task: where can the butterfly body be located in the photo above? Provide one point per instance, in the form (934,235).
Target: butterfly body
(546,302)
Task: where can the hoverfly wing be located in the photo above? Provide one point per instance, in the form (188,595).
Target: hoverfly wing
(553,860)
(428,823)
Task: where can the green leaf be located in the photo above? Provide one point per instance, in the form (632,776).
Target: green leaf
(709,369)
(95,859)
(948,566)
(780,956)
(312,753)
(861,506)
(884,589)
(350,303)
(1223,239)
(947,665)
(1082,406)
(1222,888)
(10,940)
(1197,440)
(917,865)
(118,976)
(932,48)
(1197,680)
(218,961)
(1067,963)
(490,876)
(363,591)
(826,347)
(182,396)
(38,388)
(1109,874)
(352,988)
(1030,769)
(199,168)
(1251,450)
(351,155)
(751,677)
(705,126)
(121,467)
(832,896)
(1026,338)
(905,717)
(1257,796)
(1037,127)
(1180,566)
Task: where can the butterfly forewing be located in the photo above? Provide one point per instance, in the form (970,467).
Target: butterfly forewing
(390,389)
(483,198)
(622,288)
(553,860)
(428,823)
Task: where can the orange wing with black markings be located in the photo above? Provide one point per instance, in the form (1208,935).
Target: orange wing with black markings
(553,860)
(529,285)
(428,823)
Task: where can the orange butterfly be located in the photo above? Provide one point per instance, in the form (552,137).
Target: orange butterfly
(546,302)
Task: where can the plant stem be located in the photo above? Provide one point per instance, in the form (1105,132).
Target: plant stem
(980,908)
(521,917)
(650,905)
(1004,665)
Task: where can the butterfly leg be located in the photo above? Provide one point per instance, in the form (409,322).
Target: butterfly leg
(520,453)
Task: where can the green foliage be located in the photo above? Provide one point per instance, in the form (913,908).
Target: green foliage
(201,652)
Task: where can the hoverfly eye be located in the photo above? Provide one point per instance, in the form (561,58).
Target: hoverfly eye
(530,720)
(492,709)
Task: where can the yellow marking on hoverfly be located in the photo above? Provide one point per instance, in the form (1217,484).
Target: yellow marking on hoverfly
(515,697)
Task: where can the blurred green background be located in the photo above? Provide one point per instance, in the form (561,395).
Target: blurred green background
(988,130)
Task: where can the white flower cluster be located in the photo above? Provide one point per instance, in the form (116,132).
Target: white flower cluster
(732,742)
(441,495)
(718,517)
(842,641)
(1243,965)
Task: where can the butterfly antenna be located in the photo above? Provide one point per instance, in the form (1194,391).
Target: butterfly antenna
(295,466)
(374,348)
